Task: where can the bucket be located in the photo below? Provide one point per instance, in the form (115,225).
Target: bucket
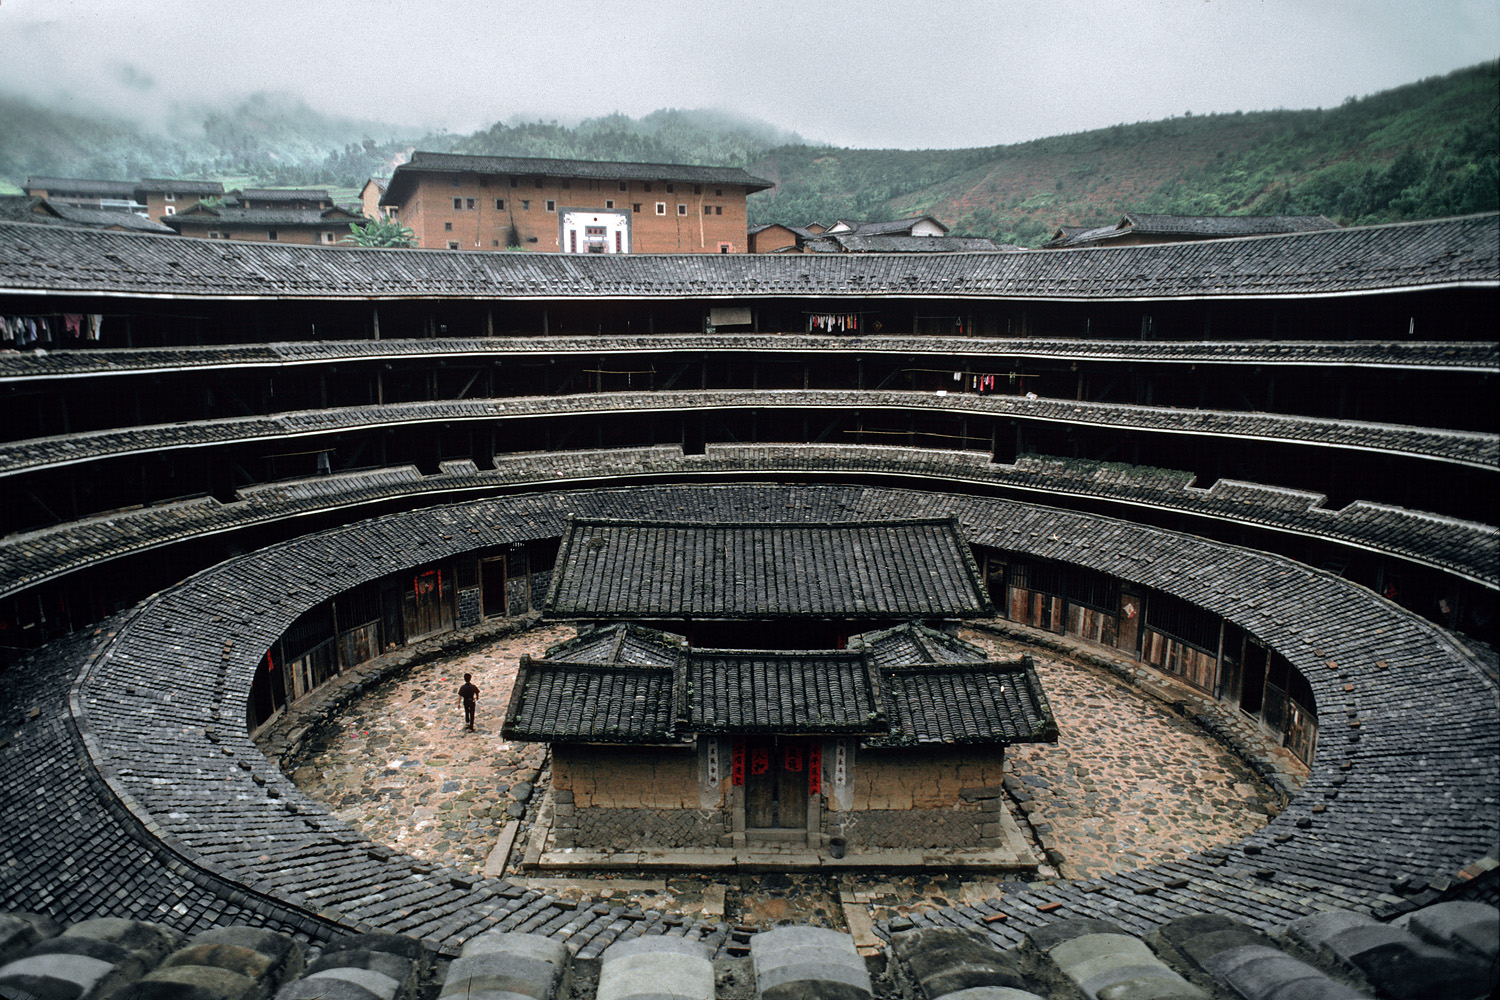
(837,846)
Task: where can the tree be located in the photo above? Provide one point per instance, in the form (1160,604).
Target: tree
(380,233)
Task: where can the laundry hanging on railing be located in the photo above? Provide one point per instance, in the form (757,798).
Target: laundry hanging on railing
(832,322)
(45,331)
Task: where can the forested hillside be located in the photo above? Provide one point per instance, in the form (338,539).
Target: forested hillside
(1424,150)
(1420,151)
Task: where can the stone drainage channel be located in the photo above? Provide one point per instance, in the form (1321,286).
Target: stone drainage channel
(1131,782)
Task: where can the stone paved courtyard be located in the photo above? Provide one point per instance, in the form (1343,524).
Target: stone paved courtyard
(1128,784)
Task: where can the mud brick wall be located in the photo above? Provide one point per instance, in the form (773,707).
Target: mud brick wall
(916,778)
(627,778)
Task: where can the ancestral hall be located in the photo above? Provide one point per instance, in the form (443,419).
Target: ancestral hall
(804,733)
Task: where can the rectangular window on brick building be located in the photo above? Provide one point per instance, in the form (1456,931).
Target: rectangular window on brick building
(452,245)
(525,204)
(458,204)
(708,210)
(661,208)
(499,204)
(725,247)
(551,205)
(646,187)
(469,203)
(671,188)
(609,203)
(636,208)
(447,227)
(624,186)
(681,209)
(271,234)
(718,209)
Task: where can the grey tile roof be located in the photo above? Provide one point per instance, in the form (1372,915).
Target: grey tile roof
(892,227)
(55,186)
(563,702)
(1467,549)
(1463,252)
(283,194)
(790,692)
(956,697)
(529,166)
(1189,227)
(1462,355)
(235,216)
(177,186)
(611,569)
(966,703)
(1470,448)
(1381,823)
(43,211)
(626,644)
(861,243)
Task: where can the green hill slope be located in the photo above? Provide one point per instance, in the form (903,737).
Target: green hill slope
(1424,150)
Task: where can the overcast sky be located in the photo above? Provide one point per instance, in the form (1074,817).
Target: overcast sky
(851,72)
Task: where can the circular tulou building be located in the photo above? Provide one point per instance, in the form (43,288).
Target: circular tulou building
(1263,468)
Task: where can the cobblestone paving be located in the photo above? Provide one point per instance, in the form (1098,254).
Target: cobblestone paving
(1128,784)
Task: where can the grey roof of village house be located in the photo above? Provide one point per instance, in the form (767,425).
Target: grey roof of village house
(860,243)
(177,186)
(559,701)
(891,227)
(1461,252)
(589,693)
(1189,226)
(83,186)
(283,194)
(535,166)
(238,216)
(608,569)
(25,208)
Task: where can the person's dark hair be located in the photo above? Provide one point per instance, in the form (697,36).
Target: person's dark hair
(468,677)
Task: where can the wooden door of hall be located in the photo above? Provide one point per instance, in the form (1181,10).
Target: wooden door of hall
(776,784)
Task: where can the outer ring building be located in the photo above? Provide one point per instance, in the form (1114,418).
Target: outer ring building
(1255,464)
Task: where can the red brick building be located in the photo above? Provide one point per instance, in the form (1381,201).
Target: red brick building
(325,226)
(462,202)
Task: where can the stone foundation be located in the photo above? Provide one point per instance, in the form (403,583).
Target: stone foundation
(635,829)
(913,828)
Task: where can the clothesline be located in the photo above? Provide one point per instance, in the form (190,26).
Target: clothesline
(39,328)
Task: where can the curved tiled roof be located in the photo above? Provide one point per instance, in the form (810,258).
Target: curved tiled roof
(1470,448)
(1462,252)
(1463,548)
(1401,791)
(537,166)
(1473,356)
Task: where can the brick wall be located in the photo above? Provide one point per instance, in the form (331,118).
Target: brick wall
(469,612)
(476,212)
(919,779)
(622,829)
(257,233)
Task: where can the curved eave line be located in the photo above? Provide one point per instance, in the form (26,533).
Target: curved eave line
(567,480)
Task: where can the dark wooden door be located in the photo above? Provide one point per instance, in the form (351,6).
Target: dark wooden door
(776,784)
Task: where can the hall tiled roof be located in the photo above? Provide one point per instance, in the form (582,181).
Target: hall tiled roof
(82,186)
(803,691)
(34,208)
(558,701)
(878,243)
(595,691)
(535,166)
(283,194)
(238,216)
(177,186)
(1195,227)
(1461,252)
(979,702)
(610,569)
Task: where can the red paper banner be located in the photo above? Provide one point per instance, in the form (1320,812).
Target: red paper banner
(737,763)
(815,768)
(760,760)
(792,757)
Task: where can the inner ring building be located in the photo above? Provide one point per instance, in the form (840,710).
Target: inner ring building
(1262,466)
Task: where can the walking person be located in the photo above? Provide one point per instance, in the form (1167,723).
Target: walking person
(468,694)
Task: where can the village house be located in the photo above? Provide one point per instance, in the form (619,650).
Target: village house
(153,197)
(26,208)
(234,221)
(463,202)
(283,198)
(1138,228)
(369,199)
